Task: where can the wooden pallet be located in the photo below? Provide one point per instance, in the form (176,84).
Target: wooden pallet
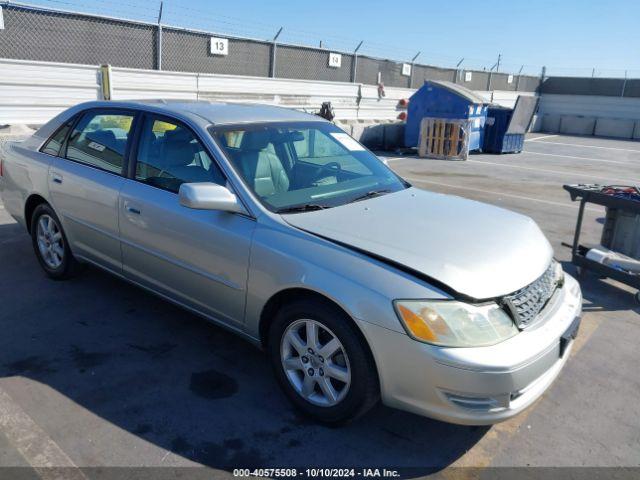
(444,138)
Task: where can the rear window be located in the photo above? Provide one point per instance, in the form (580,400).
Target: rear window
(53,145)
(100,140)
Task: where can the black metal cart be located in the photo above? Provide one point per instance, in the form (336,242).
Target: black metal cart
(588,194)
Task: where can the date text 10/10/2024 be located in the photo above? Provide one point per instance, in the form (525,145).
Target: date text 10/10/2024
(316,472)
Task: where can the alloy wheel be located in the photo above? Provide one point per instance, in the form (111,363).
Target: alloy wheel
(315,362)
(50,241)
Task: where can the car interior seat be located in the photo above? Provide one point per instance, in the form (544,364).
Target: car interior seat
(178,157)
(261,167)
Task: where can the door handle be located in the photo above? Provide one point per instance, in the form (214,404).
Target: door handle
(131,209)
(56,178)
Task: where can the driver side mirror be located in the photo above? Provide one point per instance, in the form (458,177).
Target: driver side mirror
(209,196)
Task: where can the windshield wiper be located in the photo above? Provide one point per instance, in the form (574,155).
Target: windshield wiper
(371,194)
(306,207)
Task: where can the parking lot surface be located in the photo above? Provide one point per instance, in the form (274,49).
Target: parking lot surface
(95,372)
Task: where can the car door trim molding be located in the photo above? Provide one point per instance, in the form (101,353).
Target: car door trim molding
(91,227)
(215,278)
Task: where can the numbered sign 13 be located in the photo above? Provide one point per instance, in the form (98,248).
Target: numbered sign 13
(335,60)
(219,46)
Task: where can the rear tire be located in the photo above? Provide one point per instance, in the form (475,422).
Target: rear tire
(50,244)
(332,379)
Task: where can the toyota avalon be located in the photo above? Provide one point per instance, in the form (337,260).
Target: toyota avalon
(279,226)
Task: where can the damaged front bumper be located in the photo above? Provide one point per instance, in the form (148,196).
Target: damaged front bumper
(481,385)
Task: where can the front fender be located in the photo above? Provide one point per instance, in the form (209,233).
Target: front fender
(283,257)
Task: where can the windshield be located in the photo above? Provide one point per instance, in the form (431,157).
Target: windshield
(304,165)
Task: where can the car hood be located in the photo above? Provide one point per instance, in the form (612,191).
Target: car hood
(475,249)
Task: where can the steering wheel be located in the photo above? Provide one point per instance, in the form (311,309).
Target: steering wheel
(332,168)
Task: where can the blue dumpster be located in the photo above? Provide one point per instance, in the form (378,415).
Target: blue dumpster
(505,128)
(446,100)
(496,139)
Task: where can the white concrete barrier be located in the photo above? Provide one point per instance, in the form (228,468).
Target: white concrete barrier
(34,92)
(128,83)
(373,107)
(550,123)
(590,106)
(577,125)
(614,127)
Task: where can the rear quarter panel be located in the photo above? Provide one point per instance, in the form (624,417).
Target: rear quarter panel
(25,172)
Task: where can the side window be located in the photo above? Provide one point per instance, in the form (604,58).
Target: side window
(169,155)
(100,139)
(52,147)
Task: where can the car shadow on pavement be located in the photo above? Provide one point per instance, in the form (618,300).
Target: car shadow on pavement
(177,382)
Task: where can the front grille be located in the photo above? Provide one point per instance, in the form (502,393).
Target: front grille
(525,304)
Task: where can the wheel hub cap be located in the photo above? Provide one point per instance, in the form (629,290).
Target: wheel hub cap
(50,242)
(315,362)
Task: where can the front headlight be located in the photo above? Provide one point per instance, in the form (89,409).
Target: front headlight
(455,324)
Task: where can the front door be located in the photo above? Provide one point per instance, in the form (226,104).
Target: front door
(199,258)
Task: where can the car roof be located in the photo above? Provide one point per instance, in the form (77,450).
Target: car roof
(218,113)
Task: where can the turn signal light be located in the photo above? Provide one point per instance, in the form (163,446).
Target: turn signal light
(416,325)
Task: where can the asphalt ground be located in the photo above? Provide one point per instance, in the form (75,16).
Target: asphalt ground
(98,374)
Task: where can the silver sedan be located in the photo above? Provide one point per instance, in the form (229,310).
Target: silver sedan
(281,227)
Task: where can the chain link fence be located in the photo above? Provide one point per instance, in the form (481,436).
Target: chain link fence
(310,63)
(44,34)
(186,51)
(32,34)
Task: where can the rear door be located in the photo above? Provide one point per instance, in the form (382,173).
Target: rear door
(85,183)
(199,258)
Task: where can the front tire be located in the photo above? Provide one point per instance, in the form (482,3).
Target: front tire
(322,362)
(50,244)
